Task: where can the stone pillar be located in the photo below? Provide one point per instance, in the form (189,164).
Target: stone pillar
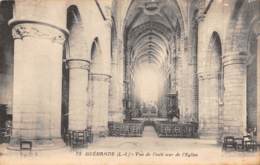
(192,84)
(179,77)
(194,65)
(234,115)
(100,87)
(78,84)
(120,75)
(100,76)
(209,105)
(115,113)
(187,76)
(258,88)
(37,84)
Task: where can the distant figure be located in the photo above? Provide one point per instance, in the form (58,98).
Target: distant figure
(139,113)
(252,133)
(173,113)
(129,115)
(176,112)
(170,115)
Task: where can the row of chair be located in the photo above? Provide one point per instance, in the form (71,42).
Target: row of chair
(5,135)
(246,143)
(74,139)
(174,129)
(126,129)
(79,139)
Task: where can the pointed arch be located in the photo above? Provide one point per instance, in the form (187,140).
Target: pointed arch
(210,105)
(73,16)
(95,50)
(215,52)
(114,41)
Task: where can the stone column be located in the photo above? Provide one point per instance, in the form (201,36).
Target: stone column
(100,76)
(121,73)
(37,84)
(78,84)
(179,76)
(234,115)
(192,85)
(115,113)
(100,87)
(201,54)
(209,106)
(258,88)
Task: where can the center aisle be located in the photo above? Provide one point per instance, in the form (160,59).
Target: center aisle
(149,132)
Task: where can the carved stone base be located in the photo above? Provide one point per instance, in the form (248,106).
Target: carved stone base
(115,116)
(38,145)
(99,135)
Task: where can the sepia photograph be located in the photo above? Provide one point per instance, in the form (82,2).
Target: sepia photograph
(129,82)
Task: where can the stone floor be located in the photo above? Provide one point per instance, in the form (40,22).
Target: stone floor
(145,150)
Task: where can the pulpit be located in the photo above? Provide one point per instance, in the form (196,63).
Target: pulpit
(172,106)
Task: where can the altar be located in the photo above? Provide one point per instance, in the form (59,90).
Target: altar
(149,111)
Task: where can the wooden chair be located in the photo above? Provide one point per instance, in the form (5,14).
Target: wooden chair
(2,135)
(190,131)
(239,142)
(110,128)
(168,131)
(125,130)
(25,145)
(140,130)
(133,130)
(249,143)
(77,139)
(177,131)
(163,130)
(67,137)
(117,129)
(89,135)
(229,142)
(246,139)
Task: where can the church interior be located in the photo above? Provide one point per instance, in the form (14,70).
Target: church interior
(77,72)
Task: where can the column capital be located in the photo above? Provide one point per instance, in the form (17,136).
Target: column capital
(208,75)
(78,64)
(100,77)
(200,18)
(234,58)
(108,22)
(36,29)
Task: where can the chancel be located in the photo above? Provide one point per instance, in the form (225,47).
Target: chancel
(73,72)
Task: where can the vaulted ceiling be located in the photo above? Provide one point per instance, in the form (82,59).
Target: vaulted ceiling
(150,29)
